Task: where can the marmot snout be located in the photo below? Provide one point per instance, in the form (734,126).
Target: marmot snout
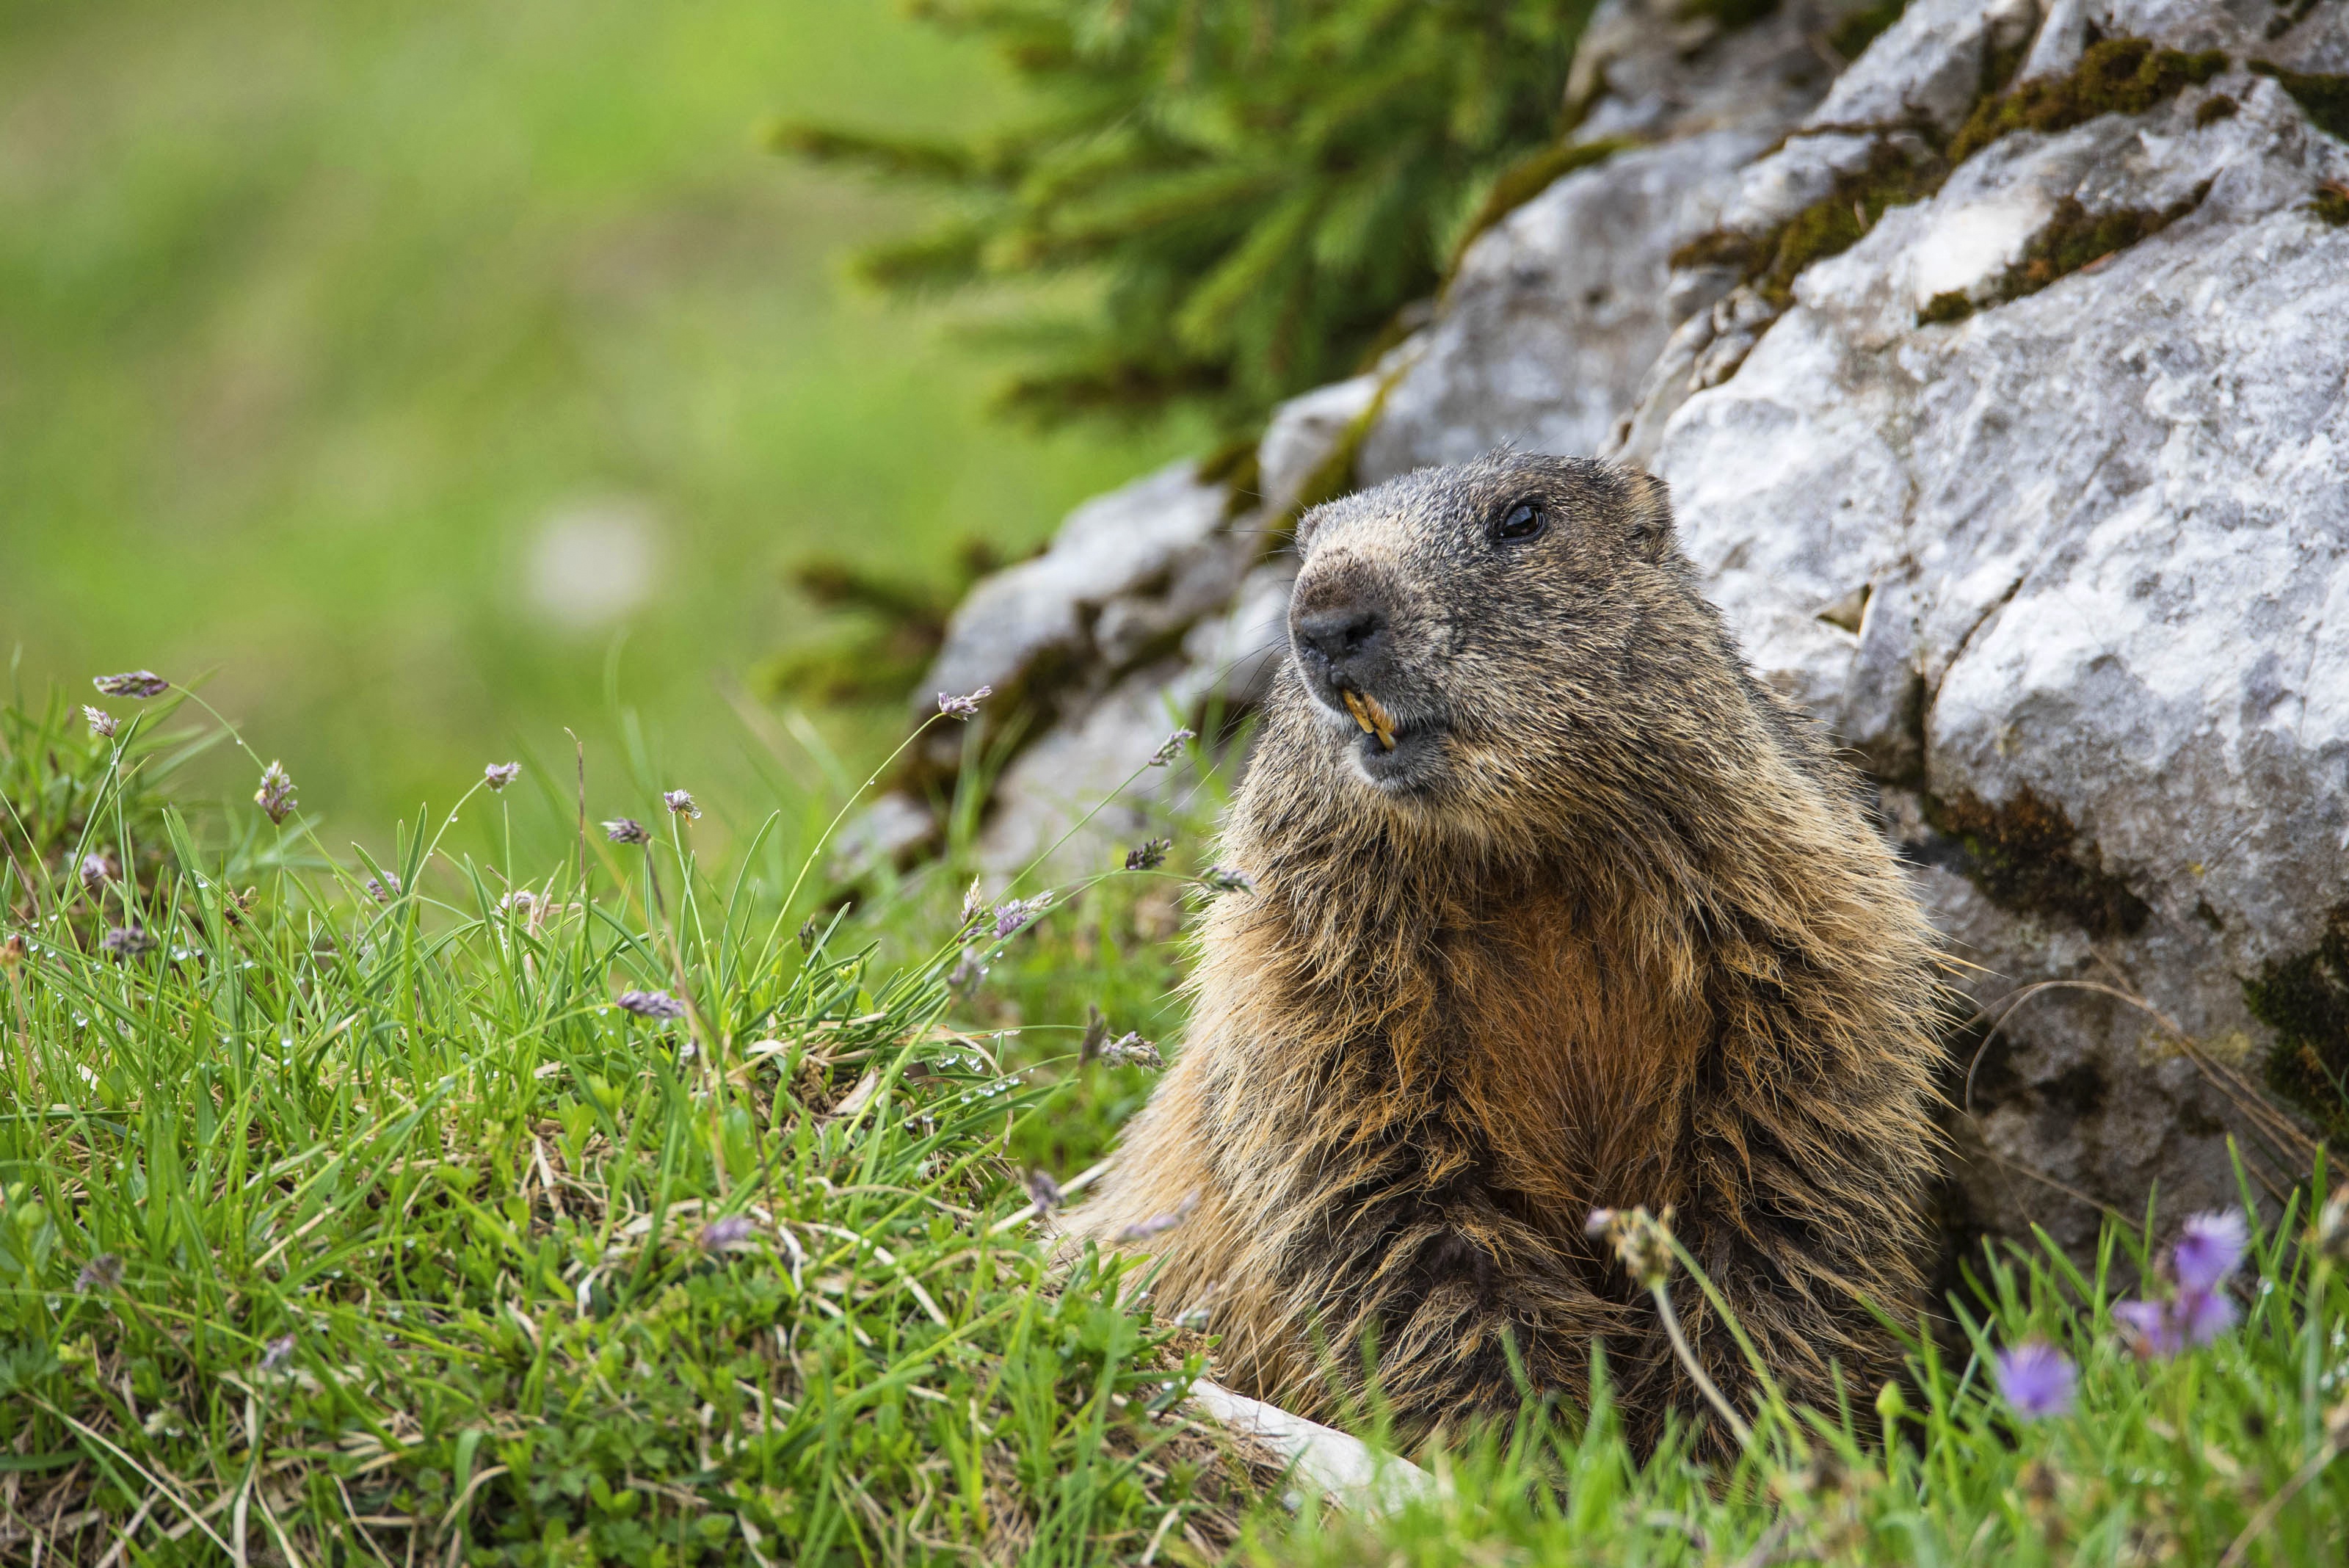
(1555,909)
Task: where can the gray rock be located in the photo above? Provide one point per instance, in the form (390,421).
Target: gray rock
(1079,797)
(1125,569)
(1232,656)
(2105,529)
(1545,335)
(1653,70)
(1557,311)
(1302,434)
(1929,63)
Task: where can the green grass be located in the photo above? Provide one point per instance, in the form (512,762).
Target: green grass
(347,1228)
(313,316)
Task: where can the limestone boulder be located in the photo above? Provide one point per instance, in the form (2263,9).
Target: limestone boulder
(2072,571)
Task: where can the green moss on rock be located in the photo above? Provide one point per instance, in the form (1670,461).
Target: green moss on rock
(2024,855)
(2331,204)
(2115,76)
(1893,177)
(2074,238)
(1851,37)
(2213,109)
(2323,99)
(2305,999)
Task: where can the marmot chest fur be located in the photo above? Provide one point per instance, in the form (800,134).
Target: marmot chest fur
(1556,907)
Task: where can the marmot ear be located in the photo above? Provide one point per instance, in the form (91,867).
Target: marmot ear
(1648,503)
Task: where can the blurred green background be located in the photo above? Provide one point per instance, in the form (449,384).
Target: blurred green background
(433,374)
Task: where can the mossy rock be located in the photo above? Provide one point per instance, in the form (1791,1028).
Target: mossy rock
(2115,76)
(2024,855)
(2071,241)
(2323,99)
(2305,999)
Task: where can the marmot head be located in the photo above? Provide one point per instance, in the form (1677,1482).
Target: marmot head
(1516,629)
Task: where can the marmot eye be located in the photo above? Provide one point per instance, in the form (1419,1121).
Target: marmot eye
(1524,521)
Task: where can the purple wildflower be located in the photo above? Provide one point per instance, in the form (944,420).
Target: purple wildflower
(497,775)
(682,803)
(1010,918)
(627,830)
(276,796)
(1044,1192)
(102,1272)
(1149,856)
(2190,1319)
(651,1005)
(719,1235)
(132,683)
(2037,1379)
(101,723)
(1172,747)
(385,890)
(274,1354)
(964,707)
(2209,1249)
(2208,1252)
(95,870)
(1225,880)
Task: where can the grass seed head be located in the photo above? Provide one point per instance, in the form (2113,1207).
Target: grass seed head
(1225,879)
(627,830)
(497,775)
(101,1274)
(964,708)
(1011,917)
(1642,1241)
(95,871)
(1131,1050)
(128,942)
(101,723)
(680,803)
(1043,1191)
(132,683)
(1172,747)
(276,796)
(1148,857)
(383,890)
(651,1005)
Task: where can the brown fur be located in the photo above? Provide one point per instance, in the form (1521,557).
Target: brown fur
(1614,929)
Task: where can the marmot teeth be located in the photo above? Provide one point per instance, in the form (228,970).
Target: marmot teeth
(1373,716)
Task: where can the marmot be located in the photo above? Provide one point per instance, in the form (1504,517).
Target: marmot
(1556,907)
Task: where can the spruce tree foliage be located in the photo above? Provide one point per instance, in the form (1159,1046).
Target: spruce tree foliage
(1255,188)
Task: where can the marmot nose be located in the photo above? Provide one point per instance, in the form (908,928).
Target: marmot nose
(1343,637)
